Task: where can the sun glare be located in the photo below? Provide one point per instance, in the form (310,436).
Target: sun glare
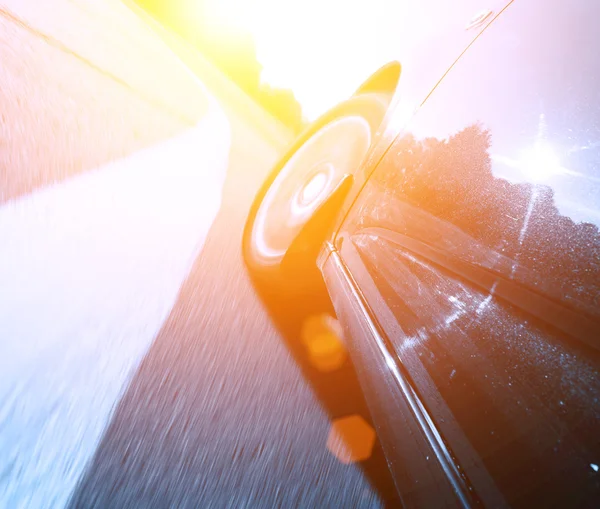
(536,164)
(540,162)
(228,14)
(320,49)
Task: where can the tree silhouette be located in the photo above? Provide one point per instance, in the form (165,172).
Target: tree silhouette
(452,180)
(233,54)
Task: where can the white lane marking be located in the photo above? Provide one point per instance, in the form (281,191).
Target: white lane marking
(89,270)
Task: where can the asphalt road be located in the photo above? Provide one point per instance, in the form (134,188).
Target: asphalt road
(184,393)
(218,414)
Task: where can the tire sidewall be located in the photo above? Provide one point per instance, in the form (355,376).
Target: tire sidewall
(372,108)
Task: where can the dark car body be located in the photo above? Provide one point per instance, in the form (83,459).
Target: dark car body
(465,266)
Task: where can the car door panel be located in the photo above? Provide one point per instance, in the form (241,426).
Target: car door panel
(466,352)
(420,477)
(431,36)
(475,245)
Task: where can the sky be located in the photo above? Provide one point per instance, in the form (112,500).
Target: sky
(320,49)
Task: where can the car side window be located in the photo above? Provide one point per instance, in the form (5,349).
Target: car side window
(480,230)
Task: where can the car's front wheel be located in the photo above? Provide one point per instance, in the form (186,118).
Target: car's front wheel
(300,183)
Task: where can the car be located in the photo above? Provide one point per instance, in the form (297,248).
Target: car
(449,212)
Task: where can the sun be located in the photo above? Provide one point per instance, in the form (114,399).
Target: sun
(540,162)
(320,49)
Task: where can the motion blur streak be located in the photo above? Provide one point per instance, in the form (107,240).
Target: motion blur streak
(90,270)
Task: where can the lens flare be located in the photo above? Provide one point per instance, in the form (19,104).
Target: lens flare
(540,162)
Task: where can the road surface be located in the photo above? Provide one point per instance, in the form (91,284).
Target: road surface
(139,369)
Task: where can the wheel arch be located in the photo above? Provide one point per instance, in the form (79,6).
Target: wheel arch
(384,80)
(371,106)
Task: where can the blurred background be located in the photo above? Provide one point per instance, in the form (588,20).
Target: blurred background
(296,59)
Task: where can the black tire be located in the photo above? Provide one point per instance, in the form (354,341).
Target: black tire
(363,112)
